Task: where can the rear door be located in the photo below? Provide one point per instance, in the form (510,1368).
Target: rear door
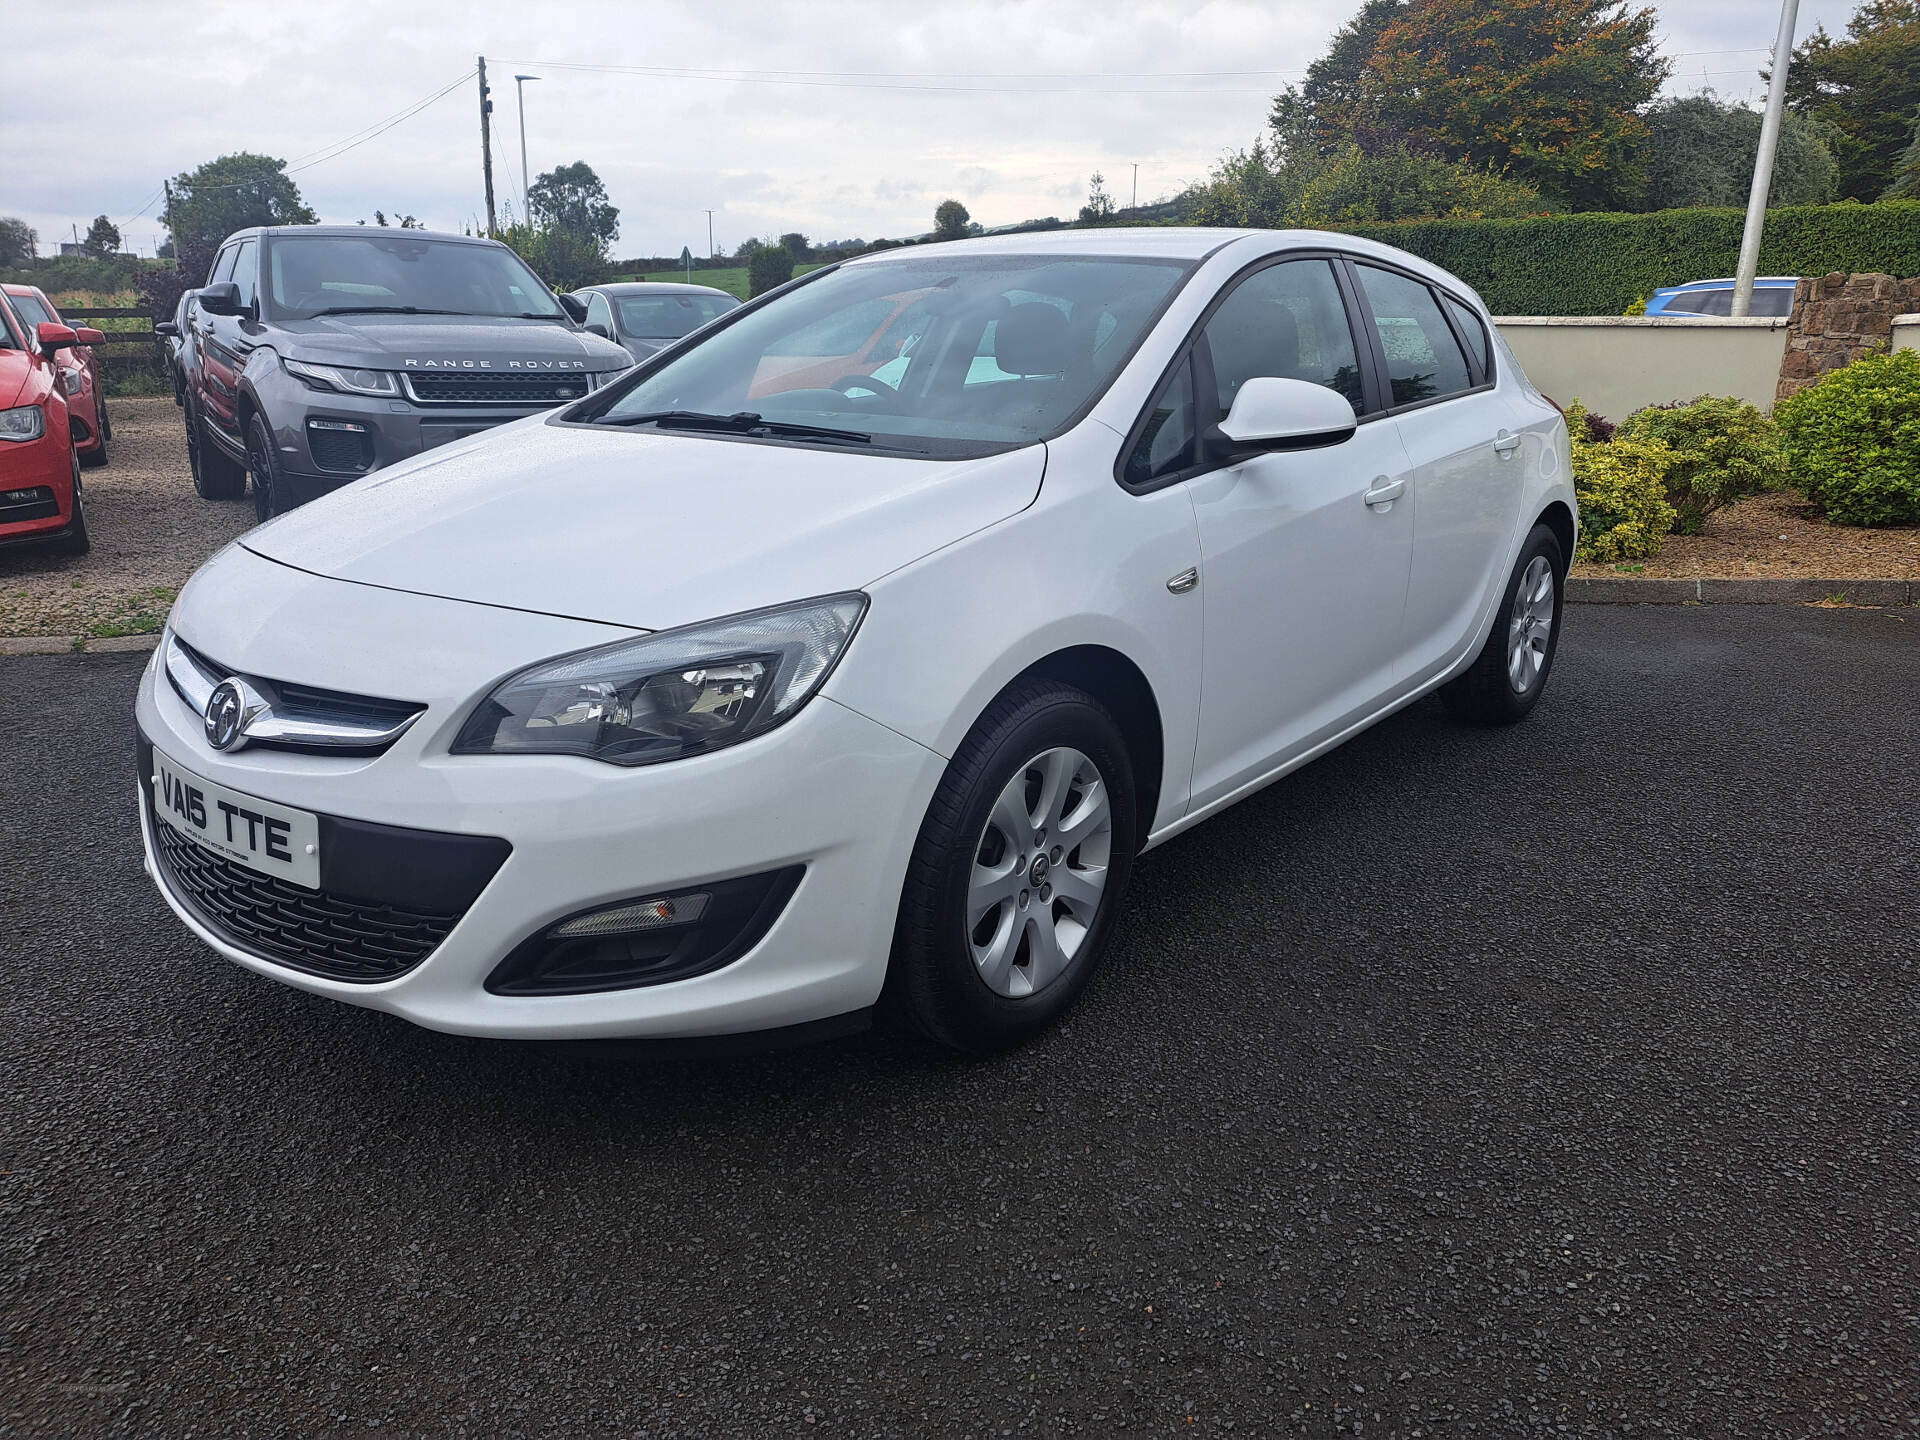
(227,342)
(202,337)
(1460,437)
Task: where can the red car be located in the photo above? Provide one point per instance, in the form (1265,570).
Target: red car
(40,499)
(81,379)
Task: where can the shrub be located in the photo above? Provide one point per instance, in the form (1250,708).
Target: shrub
(1621,486)
(1853,440)
(1724,450)
(768,267)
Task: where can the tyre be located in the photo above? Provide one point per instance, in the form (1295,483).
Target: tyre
(74,540)
(1510,673)
(1017,872)
(272,494)
(215,477)
(98,456)
(106,421)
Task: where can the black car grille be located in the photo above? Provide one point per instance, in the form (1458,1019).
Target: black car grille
(470,389)
(309,930)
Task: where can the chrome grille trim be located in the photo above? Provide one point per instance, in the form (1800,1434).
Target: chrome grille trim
(296,716)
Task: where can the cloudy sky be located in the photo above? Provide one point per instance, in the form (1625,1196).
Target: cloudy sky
(836,119)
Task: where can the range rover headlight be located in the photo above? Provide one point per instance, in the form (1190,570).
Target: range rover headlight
(672,694)
(337,377)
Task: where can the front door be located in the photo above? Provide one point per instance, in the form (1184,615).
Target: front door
(1305,555)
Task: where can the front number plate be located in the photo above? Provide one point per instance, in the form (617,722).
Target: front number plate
(274,839)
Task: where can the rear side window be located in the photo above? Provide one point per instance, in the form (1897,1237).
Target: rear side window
(1287,322)
(1475,332)
(1706,302)
(1424,361)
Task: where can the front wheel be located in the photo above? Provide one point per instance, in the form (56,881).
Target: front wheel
(1017,872)
(270,496)
(1507,678)
(74,540)
(215,477)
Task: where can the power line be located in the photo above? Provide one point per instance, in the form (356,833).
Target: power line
(743,77)
(340,148)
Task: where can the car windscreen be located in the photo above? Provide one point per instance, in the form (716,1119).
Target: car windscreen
(668,317)
(9,321)
(944,356)
(313,275)
(29,309)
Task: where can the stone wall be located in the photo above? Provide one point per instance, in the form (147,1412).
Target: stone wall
(1838,318)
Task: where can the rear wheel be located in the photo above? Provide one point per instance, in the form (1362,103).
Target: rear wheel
(74,540)
(215,477)
(1017,872)
(1506,679)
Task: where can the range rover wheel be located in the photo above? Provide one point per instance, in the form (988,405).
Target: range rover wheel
(1017,872)
(270,489)
(215,477)
(1506,680)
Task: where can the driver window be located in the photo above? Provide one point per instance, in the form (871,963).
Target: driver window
(244,271)
(222,266)
(1288,322)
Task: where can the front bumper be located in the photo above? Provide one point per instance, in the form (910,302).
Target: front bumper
(830,791)
(43,464)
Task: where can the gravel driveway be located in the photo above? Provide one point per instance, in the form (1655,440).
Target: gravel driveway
(1552,1081)
(150,532)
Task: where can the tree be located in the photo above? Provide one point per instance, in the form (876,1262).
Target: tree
(1311,117)
(18,240)
(1700,152)
(796,245)
(562,258)
(161,286)
(231,193)
(1546,91)
(1099,206)
(1866,87)
(1906,170)
(1260,188)
(103,238)
(572,199)
(950,220)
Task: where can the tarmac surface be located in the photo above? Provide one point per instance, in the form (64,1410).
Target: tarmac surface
(1551,1081)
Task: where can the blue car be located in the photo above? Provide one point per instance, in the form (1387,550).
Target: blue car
(1772,298)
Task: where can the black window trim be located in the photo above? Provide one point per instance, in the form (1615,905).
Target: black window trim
(1483,377)
(1372,374)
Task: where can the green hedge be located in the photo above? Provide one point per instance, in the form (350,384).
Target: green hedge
(1598,264)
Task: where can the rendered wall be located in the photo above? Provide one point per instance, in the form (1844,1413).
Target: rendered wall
(1616,364)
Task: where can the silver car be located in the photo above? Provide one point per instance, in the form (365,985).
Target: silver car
(647,316)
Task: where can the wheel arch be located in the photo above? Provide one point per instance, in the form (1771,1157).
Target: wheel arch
(1558,518)
(1122,687)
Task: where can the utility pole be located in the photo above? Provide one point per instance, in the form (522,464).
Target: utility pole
(520,101)
(1763,162)
(709,234)
(486,144)
(1136,186)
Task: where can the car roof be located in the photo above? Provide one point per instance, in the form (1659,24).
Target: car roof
(614,289)
(338,232)
(1729,280)
(34,290)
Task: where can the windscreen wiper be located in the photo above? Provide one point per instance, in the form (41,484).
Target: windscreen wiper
(379,310)
(743,422)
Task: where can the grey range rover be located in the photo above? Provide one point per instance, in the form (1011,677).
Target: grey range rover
(319,353)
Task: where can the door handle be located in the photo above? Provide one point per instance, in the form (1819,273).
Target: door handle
(1505,444)
(1385,491)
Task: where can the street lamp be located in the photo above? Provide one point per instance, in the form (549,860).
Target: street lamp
(520,99)
(1749,265)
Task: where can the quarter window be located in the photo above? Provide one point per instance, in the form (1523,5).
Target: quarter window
(1424,361)
(1288,322)
(1166,443)
(1475,332)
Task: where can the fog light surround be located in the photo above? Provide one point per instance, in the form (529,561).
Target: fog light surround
(625,919)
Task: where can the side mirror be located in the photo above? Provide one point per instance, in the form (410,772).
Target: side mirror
(54,338)
(1270,414)
(220,299)
(166,328)
(90,336)
(598,329)
(574,306)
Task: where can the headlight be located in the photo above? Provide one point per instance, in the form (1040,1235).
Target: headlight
(353,382)
(25,422)
(73,379)
(666,696)
(600,379)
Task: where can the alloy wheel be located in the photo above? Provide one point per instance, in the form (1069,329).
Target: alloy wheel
(1039,872)
(1531,626)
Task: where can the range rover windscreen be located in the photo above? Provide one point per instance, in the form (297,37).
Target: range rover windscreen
(389,274)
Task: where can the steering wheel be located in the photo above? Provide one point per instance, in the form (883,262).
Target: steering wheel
(878,386)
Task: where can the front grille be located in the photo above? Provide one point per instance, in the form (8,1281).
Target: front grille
(296,703)
(309,930)
(34,503)
(347,451)
(466,388)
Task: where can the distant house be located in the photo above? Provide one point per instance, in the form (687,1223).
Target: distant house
(68,247)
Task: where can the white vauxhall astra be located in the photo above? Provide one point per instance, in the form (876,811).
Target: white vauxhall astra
(850,650)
